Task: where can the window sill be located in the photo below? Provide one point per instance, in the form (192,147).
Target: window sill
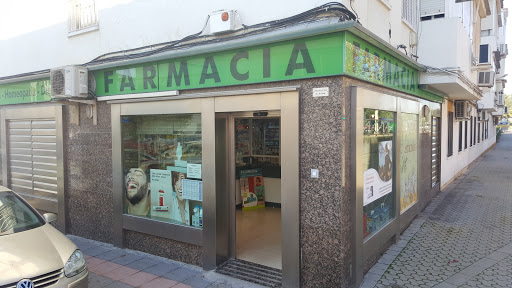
(409,25)
(386,3)
(84,30)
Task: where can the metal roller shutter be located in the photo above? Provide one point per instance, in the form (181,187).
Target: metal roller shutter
(32,157)
(431,7)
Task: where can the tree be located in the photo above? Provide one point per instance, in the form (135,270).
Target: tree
(508,103)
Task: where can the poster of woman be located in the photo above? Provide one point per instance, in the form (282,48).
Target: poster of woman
(179,206)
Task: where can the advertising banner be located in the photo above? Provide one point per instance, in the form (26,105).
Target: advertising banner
(252,189)
(161,193)
(25,92)
(379,183)
(179,205)
(409,161)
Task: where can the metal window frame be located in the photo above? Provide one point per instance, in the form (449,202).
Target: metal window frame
(361,99)
(43,111)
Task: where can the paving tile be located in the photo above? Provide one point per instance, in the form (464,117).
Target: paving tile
(197,282)
(181,285)
(126,259)
(160,283)
(181,274)
(98,281)
(162,268)
(144,263)
(95,250)
(93,261)
(112,254)
(138,278)
(120,273)
(104,267)
(117,285)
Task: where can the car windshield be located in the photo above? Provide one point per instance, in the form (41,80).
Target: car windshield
(15,215)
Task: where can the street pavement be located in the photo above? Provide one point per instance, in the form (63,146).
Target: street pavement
(122,268)
(463,238)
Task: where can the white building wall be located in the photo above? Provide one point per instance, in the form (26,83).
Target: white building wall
(455,164)
(39,40)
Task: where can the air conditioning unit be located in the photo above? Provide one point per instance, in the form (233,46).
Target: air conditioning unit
(503,50)
(69,82)
(486,78)
(462,110)
(413,39)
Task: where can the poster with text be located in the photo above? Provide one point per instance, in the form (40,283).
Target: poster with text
(179,205)
(162,192)
(379,183)
(252,189)
(408,162)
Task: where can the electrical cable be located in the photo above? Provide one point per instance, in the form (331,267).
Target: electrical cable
(327,10)
(304,17)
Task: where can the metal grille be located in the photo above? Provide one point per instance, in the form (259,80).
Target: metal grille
(42,281)
(81,14)
(431,7)
(410,12)
(33,161)
(436,151)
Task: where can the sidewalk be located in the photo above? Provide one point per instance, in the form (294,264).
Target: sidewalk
(122,268)
(463,238)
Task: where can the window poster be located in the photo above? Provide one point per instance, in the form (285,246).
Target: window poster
(179,205)
(379,183)
(408,162)
(162,193)
(252,189)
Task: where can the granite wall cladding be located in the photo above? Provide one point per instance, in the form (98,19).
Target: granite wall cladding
(88,174)
(171,249)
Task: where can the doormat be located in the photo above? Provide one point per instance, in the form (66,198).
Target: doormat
(251,272)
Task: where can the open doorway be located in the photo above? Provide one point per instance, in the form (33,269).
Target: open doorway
(256,132)
(257,149)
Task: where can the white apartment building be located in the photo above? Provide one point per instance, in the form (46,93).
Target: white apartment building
(459,43)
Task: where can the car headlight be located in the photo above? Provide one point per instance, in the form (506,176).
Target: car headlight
(75,264)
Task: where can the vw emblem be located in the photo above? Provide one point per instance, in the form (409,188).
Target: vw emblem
(25,283)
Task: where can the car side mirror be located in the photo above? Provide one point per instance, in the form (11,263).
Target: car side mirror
(50,217)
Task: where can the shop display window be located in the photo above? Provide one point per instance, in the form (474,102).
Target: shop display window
(409,161)
(162,161)
(378,167)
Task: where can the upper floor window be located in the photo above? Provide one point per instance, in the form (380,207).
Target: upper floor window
(410,13)
(484,54)
(81,15)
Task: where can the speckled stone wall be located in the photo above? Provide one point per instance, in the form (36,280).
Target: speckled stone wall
(88,174)
(167,248)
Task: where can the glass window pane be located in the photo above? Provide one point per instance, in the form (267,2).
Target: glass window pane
(162,160)
(409,161)
(378,166)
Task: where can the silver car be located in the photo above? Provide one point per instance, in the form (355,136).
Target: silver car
(33,254)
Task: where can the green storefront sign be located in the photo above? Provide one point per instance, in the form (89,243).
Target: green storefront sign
(25,92)
(367,62)
(340,53)
(297,59)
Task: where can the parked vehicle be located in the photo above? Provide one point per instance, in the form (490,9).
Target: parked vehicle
(32,252)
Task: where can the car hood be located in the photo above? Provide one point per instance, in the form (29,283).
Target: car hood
(31,253)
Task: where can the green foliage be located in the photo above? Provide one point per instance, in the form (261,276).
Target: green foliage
(498,133)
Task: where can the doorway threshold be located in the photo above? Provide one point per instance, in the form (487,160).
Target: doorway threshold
(251,272)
